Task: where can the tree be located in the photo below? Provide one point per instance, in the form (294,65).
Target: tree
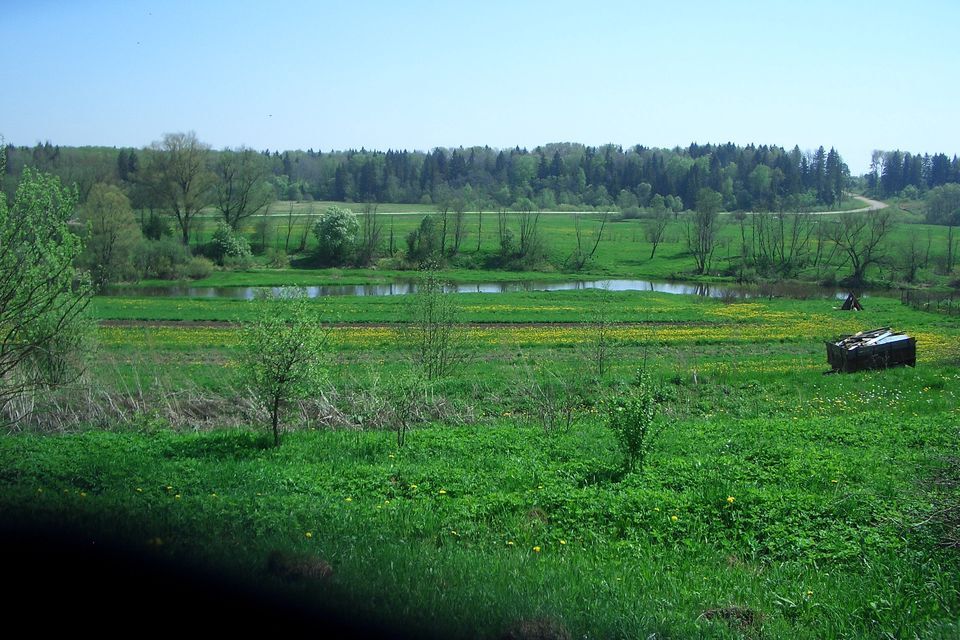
(943,207)
(112,235)
(336,231)
(281,354)
(860,236)
(241,189)
(432,330)
(179,169)
(656,227)
(372,230)
(42,295)
(701,227)
(581,255)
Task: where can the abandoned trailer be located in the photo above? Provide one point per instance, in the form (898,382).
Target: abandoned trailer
(876,349)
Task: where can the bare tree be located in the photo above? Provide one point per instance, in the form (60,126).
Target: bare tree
(701,228)
(860,236)
(580,255)
(656,227)
(241,189)
(179,165)
(371,229)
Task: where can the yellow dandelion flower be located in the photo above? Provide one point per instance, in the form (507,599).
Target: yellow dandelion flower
(674,518)
(348,499)
(176,497)
(563,542)
(731,499)
(443,492)
(536,549)
(509,543)
(309,534)
(139,490)
(83,494)
(809,593)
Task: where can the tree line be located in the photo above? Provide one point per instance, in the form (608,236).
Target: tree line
(552,176)
(896,173)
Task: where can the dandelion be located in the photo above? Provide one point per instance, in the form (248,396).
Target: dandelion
(176,497)
(563,542)
(674,518)
(83,494)
(509,543)
(536,549)
(809,593)
(413,486)
(731,499)
(309,534)
(348,499)
(454,533)
(834,481)
(139,490)
(39,490)
(443,492)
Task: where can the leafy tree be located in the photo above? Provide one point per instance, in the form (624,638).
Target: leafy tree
(241,189)
(112,235)
(178,173)
(337,231)
(42,296)
(281,354)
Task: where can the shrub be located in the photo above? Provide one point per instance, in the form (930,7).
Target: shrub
(227,243)
(162,259)
(280,354)
(198,267)
(336,231)
(277,259)
(630,416)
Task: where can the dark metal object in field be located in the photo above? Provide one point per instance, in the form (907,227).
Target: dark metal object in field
(851,304)
(876,349)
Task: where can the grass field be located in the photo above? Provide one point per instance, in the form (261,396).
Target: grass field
(776,502)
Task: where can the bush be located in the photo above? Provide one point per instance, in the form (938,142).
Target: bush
(227,243)
(630,416)
(238,263)
(277,259)
(162,259)
(198,267)
(336,232)
(281,353)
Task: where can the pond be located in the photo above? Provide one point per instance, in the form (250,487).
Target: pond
(402,287)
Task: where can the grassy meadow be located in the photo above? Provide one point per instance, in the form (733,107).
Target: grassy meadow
(776,502)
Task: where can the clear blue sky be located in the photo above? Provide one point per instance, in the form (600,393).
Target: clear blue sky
(417,75)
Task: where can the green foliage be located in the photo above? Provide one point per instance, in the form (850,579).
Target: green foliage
(162,259)
(423,243)
(432,330)
(198,267)
(227,243)
(337,232)
(42,296)
(112,236)
(281,354)
(630,415)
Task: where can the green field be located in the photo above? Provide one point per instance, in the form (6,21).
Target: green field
(777,501)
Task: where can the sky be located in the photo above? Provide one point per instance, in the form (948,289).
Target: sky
(853,75)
